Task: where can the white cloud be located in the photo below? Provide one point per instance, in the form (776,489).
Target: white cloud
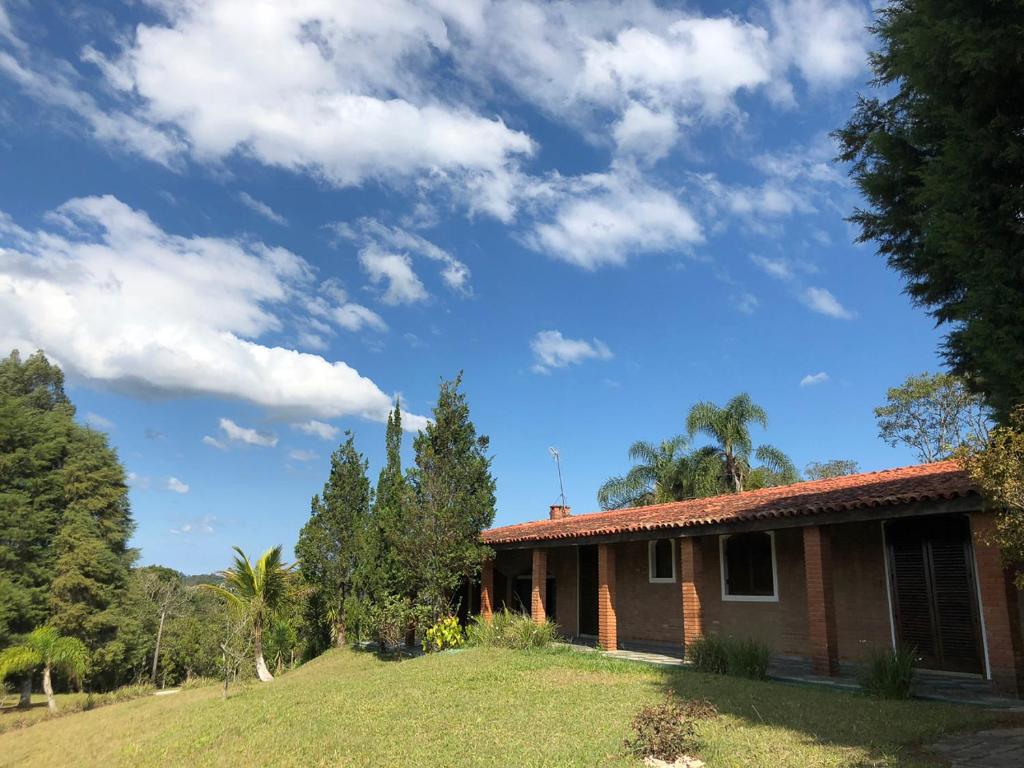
(318,429)
(176,486)
(603,219)
(141,482)
(213,442)
(645,133)
(236,433)
(300,454)
(203,525)
(822,301)
(394,269)
(746,303)
(261,208)
(552,350)
(826,40)
(333,89)
(811,379)
(779,268)
(180,315)
(96,421)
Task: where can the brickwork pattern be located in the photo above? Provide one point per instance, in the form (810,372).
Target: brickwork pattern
(607,621)
(821,612)
(691,566)
(487,590)
(538,591)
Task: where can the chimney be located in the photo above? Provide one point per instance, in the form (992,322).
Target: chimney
(559,512)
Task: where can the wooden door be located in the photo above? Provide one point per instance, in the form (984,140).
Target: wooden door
(934,596)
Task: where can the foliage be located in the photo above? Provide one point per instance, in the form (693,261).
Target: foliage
(708,654)
(454,502)
(445,634)
(258,592)
(740,657)
(823,470)
(934,414)
(391,619)
(888,673)
(660,473)
(43,648)
(571,710)
(666,730)
(997,467)
(328,545)
(725,466)
(938,156)
(508,629)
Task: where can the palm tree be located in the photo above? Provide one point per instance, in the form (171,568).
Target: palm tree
(45,647)
(660,473)
(729,456)
(258,591)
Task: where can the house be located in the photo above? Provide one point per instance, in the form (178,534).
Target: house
(820,570)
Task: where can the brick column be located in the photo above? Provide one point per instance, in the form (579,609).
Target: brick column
(607,623)
(821,609)
(538,595)
(487,590)
(691,567)
(998,609)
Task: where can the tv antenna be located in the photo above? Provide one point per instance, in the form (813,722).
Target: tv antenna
(558,463)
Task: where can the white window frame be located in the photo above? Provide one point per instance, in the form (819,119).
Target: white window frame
(651,578)
(773,598)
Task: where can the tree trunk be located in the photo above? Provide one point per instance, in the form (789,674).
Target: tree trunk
(156,651)
(339,632)
(261,665)
(25,700)
(51,702)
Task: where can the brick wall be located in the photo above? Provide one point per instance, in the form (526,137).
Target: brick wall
(861,594)
(562,565)
(647,612)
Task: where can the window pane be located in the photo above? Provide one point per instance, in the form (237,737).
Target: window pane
(748,565)
(663,559)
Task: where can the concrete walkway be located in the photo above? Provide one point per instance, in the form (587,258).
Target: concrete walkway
(1003,748)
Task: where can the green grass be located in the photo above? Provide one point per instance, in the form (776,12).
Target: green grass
(481,707)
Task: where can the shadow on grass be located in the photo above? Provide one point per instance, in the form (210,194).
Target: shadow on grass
(885,732)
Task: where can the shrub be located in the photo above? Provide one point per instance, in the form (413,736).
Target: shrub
(888,673)
(708,654)
(667,730)
(747,658)
(390,620)
(443,635)
(510,630)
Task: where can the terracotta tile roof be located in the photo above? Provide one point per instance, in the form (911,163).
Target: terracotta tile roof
(924,482)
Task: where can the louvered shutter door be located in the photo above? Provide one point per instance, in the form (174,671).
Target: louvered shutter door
(954,605)
(912,603)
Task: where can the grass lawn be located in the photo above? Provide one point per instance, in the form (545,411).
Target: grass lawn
(481,707)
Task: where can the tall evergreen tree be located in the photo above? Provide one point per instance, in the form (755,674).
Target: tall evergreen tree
(328,545)
(64,518)
(454,501)
(938,153)
(381,570)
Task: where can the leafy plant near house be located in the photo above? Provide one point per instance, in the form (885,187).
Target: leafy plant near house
(507,629)
(390,619)
(443,635)
(888,673)
(740,657)
(708,654)
(667,730)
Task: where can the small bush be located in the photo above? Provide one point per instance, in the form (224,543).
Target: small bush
(443,635)
(390,620)
(888,673)
(667,730)
(747,658)
(708,654)
(731,656)
(510,630)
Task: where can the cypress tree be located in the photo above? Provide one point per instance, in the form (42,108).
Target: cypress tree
(328,544)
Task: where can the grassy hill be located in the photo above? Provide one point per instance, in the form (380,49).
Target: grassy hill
(479,708)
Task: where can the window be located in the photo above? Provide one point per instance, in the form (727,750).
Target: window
(748,567)
(661,557)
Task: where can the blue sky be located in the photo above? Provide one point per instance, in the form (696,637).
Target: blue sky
(243,227)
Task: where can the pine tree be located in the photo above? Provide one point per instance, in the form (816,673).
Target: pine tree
(328,544)
(454,502)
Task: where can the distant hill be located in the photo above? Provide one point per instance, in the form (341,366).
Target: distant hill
(203,578)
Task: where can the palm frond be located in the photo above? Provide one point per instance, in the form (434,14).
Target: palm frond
(19,659)
(70,655)
(778,463)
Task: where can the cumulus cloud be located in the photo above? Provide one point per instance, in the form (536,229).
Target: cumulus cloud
(247,435)
(603,219)
(822,301)
(261,208)
(180,315)
(811,379)
(645,133)
(318,429)
(176,486)
(402,286)
(552,350)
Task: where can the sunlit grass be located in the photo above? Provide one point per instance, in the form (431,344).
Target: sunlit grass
(481,707)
